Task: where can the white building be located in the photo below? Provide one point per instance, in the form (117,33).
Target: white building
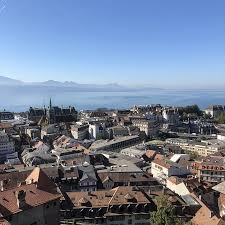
(6,146)
(96,131)
(163,169)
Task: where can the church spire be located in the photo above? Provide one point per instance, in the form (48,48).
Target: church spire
(50,103)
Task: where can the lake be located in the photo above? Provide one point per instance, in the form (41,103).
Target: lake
(21,100)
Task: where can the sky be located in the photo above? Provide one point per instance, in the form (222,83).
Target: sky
(152,42)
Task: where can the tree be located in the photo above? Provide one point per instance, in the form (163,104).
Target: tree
(190,110)
(165,214)
(221,118)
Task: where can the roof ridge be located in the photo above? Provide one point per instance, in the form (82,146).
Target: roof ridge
(116,189)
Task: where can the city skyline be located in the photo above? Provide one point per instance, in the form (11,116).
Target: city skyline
(164,44)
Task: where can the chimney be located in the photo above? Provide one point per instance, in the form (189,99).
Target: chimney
(2,185)
(20,198)
(211,214)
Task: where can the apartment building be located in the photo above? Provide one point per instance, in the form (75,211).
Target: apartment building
(203,148)
(210,169)
(6,146)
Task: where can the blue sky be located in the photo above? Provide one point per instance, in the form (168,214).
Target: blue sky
(158,42)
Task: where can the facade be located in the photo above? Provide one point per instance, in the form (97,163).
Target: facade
(80,131)
(151,128)
(87,178)
(4,116)
(6,146)
(210,169)
(96,130)
(203,148)
(52,114)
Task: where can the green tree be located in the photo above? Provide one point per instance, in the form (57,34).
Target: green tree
(190,110)
(165,214)
(221,118)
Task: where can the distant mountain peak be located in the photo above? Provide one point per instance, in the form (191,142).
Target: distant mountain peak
(9,81)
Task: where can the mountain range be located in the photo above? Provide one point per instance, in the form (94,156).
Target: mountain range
(67,85)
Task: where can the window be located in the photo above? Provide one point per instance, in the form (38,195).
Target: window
(129,221)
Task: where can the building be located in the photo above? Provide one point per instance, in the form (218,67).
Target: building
(205,215)
(115,144)
(220,189)
(34,201)
(163,169)
(41,146)
(171,116)
(6,146)
(87,178)
(63,154)
(146,109)
(135,151)
(117,131)
(121,205)
(4,116)
(53,114)
(215,110)
(203,148)
(111,179)
(151,128)
(33,132)
(80,131)
(52,131)
(96,130)
(210,169)
(65,142)
(221,137)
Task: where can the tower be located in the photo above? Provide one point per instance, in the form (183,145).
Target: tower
(51,113)
(50,103)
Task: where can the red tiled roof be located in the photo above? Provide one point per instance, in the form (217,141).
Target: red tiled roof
(106,198)
(41,179)
(34,197)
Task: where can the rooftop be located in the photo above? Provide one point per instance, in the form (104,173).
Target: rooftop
(105,198)
(102,143)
